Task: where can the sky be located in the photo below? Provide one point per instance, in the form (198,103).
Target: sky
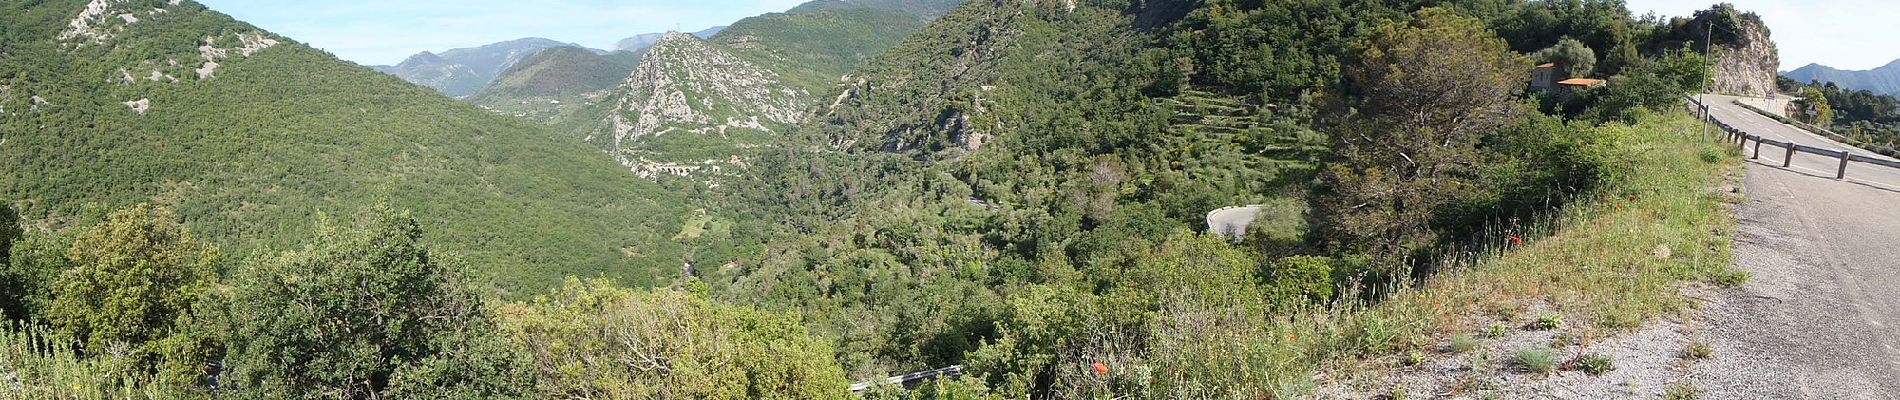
(383,32)
(1845,34)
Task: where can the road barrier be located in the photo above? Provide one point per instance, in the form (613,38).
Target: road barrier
(1741,140)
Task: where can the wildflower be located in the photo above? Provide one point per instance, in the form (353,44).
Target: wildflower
(1101,369)
(1517,241)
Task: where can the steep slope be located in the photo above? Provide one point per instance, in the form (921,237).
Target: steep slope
(462,72)
(110,103)
(686,93)
(1883,80)
(551,83)
(702,106)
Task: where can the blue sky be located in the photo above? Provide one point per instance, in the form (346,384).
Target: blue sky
(1851,34)
(386,31)
(1847,34)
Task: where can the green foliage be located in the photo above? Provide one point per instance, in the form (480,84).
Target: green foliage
(1432,86)
(1548,322)
(130,290)
(247,155)
(1652,85)
(368,312)
(1571,56)
(1595,364)
(594,340)
(1301,281)
(1814,107)
(551,84)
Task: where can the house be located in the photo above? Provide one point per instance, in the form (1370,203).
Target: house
(1544,77)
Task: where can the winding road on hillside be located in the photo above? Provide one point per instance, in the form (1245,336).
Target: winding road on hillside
(1821,317)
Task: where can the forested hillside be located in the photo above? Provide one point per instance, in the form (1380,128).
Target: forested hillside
(552,84)
(248,135)
(1017,188)
(1020,188)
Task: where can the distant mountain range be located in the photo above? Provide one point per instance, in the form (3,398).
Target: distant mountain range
(462,72)
(1883,80)
(639,43)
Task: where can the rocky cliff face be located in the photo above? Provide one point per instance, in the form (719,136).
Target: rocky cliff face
(686,86)
(1749,66)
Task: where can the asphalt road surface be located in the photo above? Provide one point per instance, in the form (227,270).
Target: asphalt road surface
(1821,317)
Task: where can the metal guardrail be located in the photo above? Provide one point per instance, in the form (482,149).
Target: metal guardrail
(1741,139)
(906,379)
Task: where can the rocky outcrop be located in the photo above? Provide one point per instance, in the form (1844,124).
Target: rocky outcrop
(1747,65)
(685,85)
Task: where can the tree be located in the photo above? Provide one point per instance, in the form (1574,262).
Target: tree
(365,312)
(131,278)
(1431,85)
(1571,56)
(1814,107)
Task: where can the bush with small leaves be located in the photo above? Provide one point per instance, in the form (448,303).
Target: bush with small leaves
(1548,322)
(1595,364)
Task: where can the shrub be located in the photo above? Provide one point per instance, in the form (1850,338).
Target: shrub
(1548,322)
(1699,350)
(1595,364)
(367,312)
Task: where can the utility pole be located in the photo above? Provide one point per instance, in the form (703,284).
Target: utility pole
(1708,45)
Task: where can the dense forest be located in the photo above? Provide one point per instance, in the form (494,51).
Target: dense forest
(1019,188)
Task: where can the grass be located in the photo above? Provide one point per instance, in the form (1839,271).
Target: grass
(1535,360)
(1464,343)
(1592,263)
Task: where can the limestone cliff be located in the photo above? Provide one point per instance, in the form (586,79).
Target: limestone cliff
(1746,60)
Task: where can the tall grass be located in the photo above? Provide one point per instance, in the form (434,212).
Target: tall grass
(36,363)
(1597,261)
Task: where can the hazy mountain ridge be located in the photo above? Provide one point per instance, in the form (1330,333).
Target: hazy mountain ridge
(1882,80)
(462,72)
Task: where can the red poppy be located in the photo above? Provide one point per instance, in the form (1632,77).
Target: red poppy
(1101,369)
(1517,241)
(1293,338)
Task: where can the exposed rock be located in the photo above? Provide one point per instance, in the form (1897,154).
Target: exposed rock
(1748,67)
(140,106)
(687,85)
(90,22)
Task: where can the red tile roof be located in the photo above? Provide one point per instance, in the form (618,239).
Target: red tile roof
(1582,82)
(1548,65)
